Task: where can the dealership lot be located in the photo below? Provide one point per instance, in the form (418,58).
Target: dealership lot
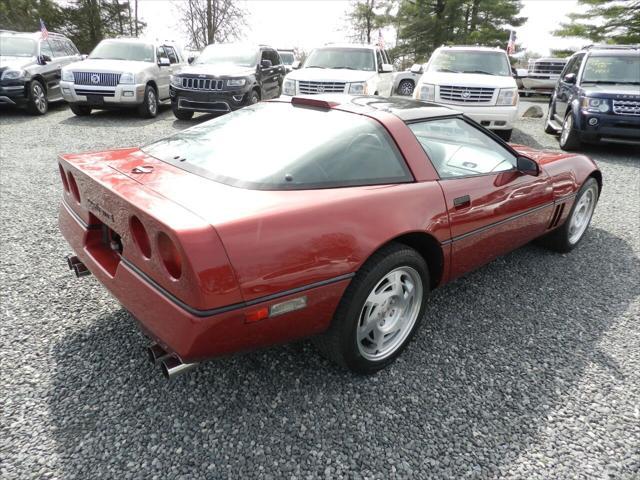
(527,368)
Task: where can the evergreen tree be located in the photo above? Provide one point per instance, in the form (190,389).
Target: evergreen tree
(25,15)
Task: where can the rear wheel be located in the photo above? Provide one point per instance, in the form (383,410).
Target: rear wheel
(569,139)
(504,134)
(149,106)
(37,104)
(80,110)
(405,87)
(379,312)
(181,114)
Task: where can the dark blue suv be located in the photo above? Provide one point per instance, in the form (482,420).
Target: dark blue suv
(597,98)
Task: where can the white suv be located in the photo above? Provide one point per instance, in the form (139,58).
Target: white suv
(121,73)
(476,80)
(342,68)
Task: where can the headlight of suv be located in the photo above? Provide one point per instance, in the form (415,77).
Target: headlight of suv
(175,81)
(507,96)
(236,82)
(67,76)
(595,105)
(13,74)
(289,87)
(427,92)
(127,78)
(359,88)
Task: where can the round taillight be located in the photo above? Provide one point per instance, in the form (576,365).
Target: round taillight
(140,236)
(73,186)
(63,176)
(169,255)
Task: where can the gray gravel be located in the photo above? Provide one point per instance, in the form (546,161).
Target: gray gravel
(528,368)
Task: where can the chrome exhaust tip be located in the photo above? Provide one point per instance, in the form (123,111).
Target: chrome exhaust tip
(157,354)
(173,366)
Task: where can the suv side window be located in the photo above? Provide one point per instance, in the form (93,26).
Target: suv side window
(458,149)
(379,59)
(385,57)
(70,47)
(276,57)
(59,49)
(161,53)
(173,56)
(45,48)
(573,66)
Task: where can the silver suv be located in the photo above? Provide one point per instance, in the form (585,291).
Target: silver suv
(121,73)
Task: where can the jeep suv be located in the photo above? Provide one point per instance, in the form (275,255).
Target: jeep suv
(342,68)
(121,73)
(30,68)
(476,80)
(226,77)
(597,98)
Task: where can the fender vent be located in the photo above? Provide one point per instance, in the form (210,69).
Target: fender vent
(557,215)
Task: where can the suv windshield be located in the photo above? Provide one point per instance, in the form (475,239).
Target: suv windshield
(229,54)
(17,47)
(118,50)
(324,149)
(470,61)
(349,58)
(287,57)
(612,69)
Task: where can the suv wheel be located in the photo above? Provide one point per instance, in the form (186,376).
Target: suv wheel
(181,114)
(38,104)
(569,139)
(149,106)
(406,88)
(80,110)
(253,97)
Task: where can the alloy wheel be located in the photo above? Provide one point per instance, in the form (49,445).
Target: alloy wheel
(566,129)
(582,214)
(39,98)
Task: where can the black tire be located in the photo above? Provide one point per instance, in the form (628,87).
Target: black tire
(149,106)
(570,140)
(254,97)
(37,103)
(405,87)
(80,110)
(340,344)
(547,126)
(181,114)
(504,134)
(559,239)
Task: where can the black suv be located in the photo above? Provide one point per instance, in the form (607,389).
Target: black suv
(30,68)
(597,98)
(225,77)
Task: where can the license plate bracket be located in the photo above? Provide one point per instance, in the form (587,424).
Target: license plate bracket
(95,99)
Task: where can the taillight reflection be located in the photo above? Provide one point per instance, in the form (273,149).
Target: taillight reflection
(140,236)
(73,186)
(170,256)
(63,176)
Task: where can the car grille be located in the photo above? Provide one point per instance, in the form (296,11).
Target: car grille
(321,87)
(96,79)
(88,91)
(548,68)
(626,107)
(466,94)
(202,83)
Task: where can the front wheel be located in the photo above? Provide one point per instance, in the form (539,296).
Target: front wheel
(406,88)
(379,312)
(38,103)
(149,106)
(569,139)
(253,97)
(80,110)
(181,114)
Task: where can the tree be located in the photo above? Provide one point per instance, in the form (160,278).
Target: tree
(367,16)
(211,21)
(25,15)
(609,21)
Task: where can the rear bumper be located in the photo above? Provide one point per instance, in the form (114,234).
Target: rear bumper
(609,127)
(195,335)
(109,96)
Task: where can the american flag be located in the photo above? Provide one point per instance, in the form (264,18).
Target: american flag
(44,33)
(380,39)
(511,46)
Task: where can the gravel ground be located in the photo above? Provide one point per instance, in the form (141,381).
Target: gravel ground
(528,368)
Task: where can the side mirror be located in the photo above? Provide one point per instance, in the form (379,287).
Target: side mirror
(569,78)
(163,62)
(416,68)
(522,73)
(84,56)
(527,166)
(44,59)
(296,65)
(191,59)
(386,68)
(266,64)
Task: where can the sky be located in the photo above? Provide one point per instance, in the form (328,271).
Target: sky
(311,23)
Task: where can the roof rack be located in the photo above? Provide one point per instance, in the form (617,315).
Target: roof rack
(604,46)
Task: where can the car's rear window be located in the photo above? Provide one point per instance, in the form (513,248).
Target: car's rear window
(322,149)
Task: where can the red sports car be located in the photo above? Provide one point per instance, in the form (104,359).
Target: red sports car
(225,238)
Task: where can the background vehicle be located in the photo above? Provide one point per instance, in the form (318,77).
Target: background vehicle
(343,68)
(404,83)
(477,80)
(288,57)
(226,77)
(543,74)
(30,68)
(597,98)
(121,73)
(218,245)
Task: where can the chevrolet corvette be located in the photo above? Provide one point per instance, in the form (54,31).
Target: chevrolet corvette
(222,238)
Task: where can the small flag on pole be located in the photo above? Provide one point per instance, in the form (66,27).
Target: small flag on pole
(44,33)
(511,46)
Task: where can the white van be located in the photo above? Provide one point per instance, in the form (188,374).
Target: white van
(475,80)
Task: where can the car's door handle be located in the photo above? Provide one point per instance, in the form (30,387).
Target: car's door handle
(461,202)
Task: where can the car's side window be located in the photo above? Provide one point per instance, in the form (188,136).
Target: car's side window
(70,48)
(379,59)
(573,66)
(59,49)
(276,57)
(173,56)
(45,49)
(161,53)
(458,149)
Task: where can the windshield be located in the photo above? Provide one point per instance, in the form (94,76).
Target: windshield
(470,61)
(324,149)
(287,57)
(229,54)
(17,47)
(349,58)
(117,50)
(612,69)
